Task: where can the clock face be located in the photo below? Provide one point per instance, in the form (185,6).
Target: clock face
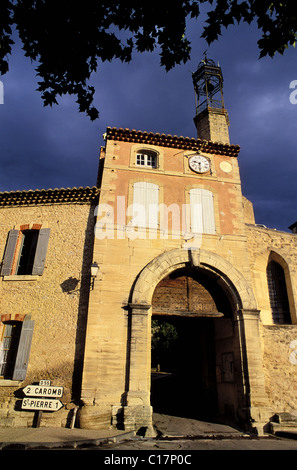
(199,164)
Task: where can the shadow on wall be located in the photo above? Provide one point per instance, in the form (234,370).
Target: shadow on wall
(81,326)
(81,287)
(69,286)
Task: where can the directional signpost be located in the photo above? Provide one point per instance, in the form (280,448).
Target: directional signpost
(41,404)
(40,391)
(48,398)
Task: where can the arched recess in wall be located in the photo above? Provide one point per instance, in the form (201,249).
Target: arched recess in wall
(280,290)
(235,285)
(246,327)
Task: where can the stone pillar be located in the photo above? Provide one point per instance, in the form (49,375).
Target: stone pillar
(256,398)
(138,411)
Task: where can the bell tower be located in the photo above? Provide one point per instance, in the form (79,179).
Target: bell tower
(211,119)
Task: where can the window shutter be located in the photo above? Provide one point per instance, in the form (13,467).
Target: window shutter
(152,203)
(9,252)
(22,358)
(202,211)
(139,204)
(209,225)
(41,250)
(145,204)
(196,210)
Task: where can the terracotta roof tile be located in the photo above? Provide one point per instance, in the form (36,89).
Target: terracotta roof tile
(79,195)
(173,141)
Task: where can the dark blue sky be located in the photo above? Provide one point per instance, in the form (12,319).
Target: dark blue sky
(59,147)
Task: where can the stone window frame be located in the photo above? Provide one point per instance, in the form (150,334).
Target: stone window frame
(145,158)
(215,206)
(21,360)
(137,149)
(130,196)
(13,276)
(276,257)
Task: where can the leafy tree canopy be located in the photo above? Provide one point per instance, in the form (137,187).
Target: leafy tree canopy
(66,39)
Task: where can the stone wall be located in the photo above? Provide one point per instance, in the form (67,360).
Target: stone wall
(212,124)
(280,366)
(282,246)
(279,363)
(57,301)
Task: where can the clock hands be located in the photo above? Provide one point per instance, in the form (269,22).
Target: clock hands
(199,163)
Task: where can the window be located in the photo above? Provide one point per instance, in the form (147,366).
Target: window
(147,159)
(8,347)
(202,211)
(278,296)
(145,208)
(25,252)
(15,344)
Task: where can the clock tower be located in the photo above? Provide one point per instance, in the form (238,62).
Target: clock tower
(211,119)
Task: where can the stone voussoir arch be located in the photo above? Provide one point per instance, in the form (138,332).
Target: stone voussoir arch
(171,260)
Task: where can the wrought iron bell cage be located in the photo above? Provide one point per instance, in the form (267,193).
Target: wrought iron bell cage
(208,86)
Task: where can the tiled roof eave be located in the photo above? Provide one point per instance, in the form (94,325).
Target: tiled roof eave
(163,140)
(81,195)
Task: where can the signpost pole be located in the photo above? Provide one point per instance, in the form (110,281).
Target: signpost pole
(37,418)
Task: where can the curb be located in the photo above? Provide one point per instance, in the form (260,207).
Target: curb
(77,444)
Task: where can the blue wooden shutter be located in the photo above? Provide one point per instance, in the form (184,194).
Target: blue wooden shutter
(22,357)
(41,249)
(9,252)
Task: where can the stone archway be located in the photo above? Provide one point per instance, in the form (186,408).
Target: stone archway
(169,261)
(253,405)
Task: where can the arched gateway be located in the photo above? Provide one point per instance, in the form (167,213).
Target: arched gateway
(229,319)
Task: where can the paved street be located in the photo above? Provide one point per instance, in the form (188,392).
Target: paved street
(175,436)
(182,445)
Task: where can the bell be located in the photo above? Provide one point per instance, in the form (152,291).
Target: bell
(208,87)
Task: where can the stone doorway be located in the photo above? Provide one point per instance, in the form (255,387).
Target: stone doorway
(239,372)
(183,367)
(193,348)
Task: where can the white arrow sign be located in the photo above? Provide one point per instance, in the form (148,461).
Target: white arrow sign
(40,391)
(41,404)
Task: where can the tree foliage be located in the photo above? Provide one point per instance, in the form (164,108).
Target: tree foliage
(68,39)
(164,342)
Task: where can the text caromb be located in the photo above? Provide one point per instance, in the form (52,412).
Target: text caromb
(40,391)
